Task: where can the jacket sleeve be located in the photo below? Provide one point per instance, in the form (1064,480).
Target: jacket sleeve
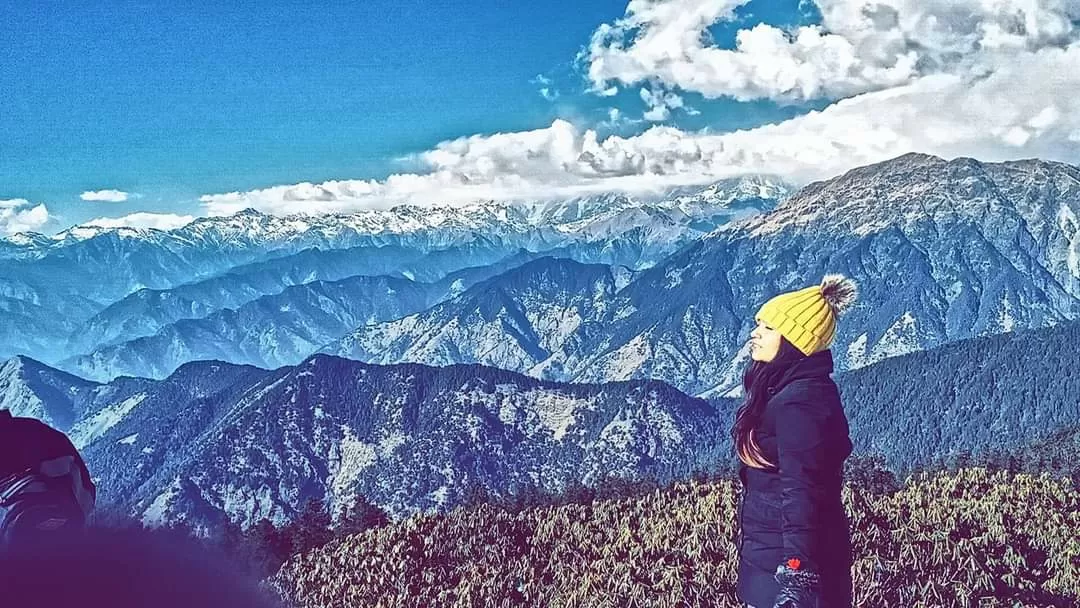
(801,450)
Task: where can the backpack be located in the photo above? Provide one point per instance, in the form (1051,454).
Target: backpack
(45,490)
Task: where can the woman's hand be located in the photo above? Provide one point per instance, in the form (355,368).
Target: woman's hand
(798,588)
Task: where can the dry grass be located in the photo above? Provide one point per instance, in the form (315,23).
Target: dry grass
(946,539)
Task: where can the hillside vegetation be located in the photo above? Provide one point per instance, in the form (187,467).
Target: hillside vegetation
(972,537)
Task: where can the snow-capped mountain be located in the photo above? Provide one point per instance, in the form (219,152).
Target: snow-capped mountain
(705,207)
(439,226)
(941,250)
(84,270)
(408,438)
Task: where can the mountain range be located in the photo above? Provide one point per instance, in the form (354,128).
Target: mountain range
(941,251)
(281,328)
(90,287)
(217,440)
(505,347)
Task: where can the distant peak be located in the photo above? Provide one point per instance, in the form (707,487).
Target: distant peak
(24,363)
(16,362)
(917,157)
(26,238)
(26,366)
(899,163)
(202,366)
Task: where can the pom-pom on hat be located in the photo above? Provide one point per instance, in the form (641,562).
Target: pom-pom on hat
(807,317)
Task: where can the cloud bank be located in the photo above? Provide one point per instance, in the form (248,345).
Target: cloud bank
(990,79)
(858,47)
(19,215)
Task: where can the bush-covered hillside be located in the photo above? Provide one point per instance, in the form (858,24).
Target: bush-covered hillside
(974,397)
(967,538)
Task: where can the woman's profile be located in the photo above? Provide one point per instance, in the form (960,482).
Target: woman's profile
(791,436)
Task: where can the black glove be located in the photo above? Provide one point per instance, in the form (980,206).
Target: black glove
(798,588)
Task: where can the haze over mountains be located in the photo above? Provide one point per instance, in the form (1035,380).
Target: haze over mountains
(942,250)
(91,287)
(239,366)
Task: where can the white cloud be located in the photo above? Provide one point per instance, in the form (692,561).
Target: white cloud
(1028,108)
(107,196)
(547,91)
(858,47)
(19,215)
(160,221)
(660,103)
(616,119)
(986,81)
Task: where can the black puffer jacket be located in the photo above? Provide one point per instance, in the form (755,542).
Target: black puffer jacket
(795,510)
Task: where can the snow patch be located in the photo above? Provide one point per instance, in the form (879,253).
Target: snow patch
(130,439)
(547,409)
(674,276)
(246,504)
(554,410)
(623,312)
(618,432)
(1006,321)
(731,382)
(440,495)
(390,442)
(900,339)
(353,457)
(628,358)
(1070,228)
(97,425)
(856,352)
(665,426)
(555,325)
(156,514)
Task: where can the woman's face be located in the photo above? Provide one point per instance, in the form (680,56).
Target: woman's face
(764,343)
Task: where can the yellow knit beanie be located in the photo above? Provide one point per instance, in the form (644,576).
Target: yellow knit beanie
(807,317)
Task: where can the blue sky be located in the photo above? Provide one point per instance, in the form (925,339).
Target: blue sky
(170,103)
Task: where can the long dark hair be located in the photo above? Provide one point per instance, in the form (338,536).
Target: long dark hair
(758,376)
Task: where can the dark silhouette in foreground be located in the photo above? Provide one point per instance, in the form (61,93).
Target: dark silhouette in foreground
(123,568)
(45,489)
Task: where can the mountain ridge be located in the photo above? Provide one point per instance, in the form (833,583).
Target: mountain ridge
(941,250)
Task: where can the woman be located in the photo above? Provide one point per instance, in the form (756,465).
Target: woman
(791,437)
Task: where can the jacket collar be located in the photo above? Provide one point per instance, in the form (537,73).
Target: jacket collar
(816,365)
